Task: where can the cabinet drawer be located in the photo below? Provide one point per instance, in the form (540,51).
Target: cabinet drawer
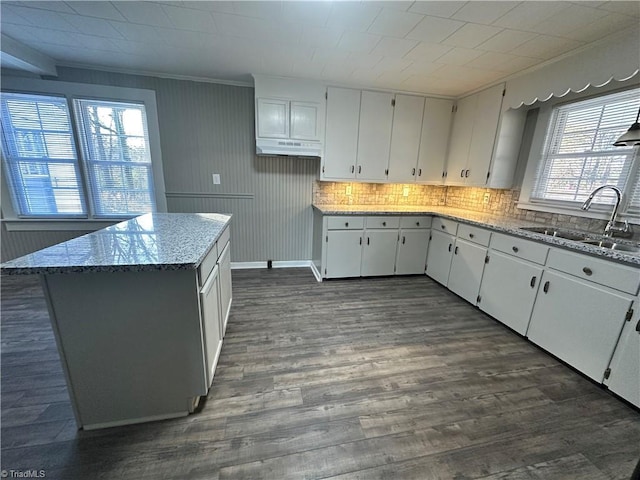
(345,223)
(474,234)
(225,236)
(415,222)
(382,222)
(444,225)
(534,252)
(610,274)
(208,263)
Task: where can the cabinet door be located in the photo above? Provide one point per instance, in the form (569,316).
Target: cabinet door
(463,123)
(224,284)
(273,118)
(625,365)
(485,127)
(439,257)
(344,253)
(436,125)
(412,252)
(578,321)
(508,290)
(304,121)
(405,138)
(341,142)
(379,252)
(210,304)
(467,266)
(374,136)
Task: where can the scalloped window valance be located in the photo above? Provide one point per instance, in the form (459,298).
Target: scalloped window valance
(616,59)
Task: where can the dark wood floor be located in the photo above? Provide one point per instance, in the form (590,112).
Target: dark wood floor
(389,378)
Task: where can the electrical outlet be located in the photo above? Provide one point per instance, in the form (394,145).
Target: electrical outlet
(405,191)
(348,190)
(487,197)
(216,179)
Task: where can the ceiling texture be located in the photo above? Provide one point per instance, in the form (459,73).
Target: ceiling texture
(434,47)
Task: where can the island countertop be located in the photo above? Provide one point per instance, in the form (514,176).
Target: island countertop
(150,242)
(492,222)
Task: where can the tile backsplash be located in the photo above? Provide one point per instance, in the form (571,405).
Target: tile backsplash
(500,202)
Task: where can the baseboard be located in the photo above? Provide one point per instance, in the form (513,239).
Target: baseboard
(316,273)
(275,264)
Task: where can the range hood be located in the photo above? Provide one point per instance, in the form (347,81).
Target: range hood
(292,148)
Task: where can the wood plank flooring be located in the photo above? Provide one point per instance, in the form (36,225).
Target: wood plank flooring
(383,378)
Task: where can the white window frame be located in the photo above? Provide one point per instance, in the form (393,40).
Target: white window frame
(535,158)
(72,91)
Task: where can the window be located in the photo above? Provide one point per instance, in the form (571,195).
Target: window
(578,153)
(112,176)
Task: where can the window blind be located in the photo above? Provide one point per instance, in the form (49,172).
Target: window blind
(115,144)
(40,156)
(578,153)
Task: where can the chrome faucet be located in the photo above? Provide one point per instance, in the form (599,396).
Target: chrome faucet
(610,229)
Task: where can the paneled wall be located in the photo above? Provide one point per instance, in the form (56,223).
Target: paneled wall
(208,128)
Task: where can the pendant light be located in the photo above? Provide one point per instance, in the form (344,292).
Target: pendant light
(632,137)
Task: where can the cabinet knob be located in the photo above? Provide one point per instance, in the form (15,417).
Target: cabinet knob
(587,271)
(443,227)
(471,235)
(384,224)
(515,249)
(417,224)
(346,224)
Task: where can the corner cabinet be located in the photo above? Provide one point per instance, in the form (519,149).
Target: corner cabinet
(485,141)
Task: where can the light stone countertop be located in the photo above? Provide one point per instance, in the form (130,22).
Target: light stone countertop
(492,222)
(151,242)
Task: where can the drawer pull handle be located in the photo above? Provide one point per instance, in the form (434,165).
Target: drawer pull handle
(587,271)
(359,168)
(403,239)
(360,240)
(461,173)
(413,172)
(353,169)
(471,235)
(515,249)
(450,245)
(466,173)
(384,224)
(419,172)
(443,227)
(417,224)
(455,252)
(346,224)
(533,281)
(545,289)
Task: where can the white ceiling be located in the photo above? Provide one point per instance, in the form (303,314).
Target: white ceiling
(437,47)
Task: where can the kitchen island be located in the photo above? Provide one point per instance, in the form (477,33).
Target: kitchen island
(138,310)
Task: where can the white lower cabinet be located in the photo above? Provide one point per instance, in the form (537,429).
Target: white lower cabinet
(578,321)
(624,370)
(210,304)
(343,254)
(411,258)
(508,290)
(439,257)
(378,252)
(467,265)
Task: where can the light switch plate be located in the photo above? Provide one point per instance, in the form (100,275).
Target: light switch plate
(216,179)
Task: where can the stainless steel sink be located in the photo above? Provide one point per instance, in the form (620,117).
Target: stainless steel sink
(559,233)
(613,245)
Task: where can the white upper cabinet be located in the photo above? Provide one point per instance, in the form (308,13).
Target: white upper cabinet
(405,138)
(374,136)
(475,127)
(273,118)
(341,144)
(290,116)
(304,121)
(436,126)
